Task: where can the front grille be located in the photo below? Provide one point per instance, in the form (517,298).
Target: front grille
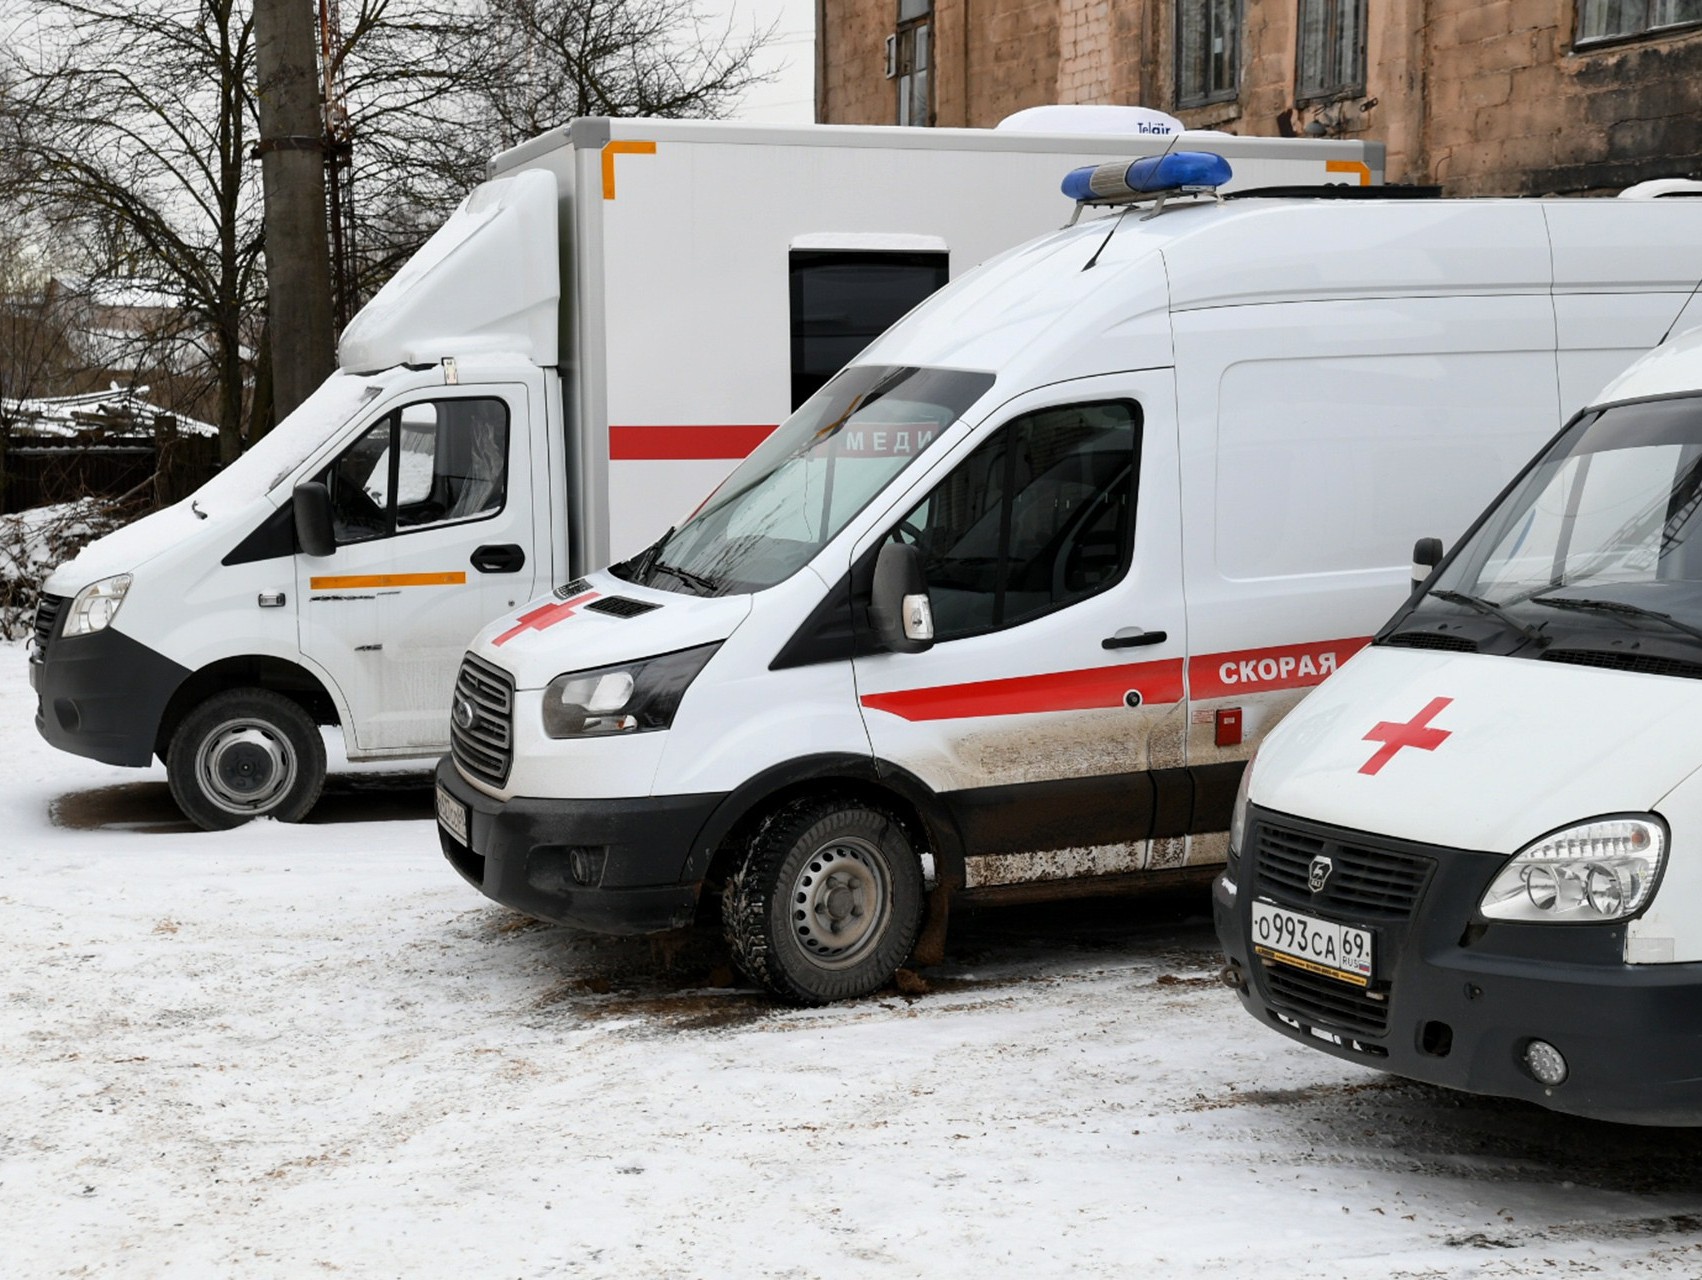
(1432,640)
(1648,664)
(486,750)
(1324,1002)
(47,610)
(1364,880)
(620,606)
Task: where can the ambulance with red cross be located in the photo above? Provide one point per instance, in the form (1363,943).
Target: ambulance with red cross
(1000,612)
(1471,857)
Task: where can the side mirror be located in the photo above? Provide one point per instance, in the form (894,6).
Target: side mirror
(313,527)
(899,608)
(1426,555)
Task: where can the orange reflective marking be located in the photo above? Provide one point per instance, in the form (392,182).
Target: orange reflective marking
(624,148)
(356,580)
(1330,166)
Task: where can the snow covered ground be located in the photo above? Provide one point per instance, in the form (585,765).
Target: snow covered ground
(312,1050)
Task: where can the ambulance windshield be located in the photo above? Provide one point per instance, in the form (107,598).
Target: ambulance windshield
(807,481)
(1597,550)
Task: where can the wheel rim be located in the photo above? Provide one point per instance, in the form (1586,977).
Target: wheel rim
(245,766)
(841,902)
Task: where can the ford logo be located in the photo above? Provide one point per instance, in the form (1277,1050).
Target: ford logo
(465,714)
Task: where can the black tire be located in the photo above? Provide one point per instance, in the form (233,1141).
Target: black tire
(826,903)
(242,754)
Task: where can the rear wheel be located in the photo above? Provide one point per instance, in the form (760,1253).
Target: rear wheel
(826,902)
(245,753)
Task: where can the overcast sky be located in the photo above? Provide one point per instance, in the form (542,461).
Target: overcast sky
(790,98)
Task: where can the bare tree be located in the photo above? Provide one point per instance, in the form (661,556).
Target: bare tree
(435,88)
(131,126)
(131,122)
(557,59)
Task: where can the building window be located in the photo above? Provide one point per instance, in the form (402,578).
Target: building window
(1331,61)
(1208,51)
(1616,19)
(909,61)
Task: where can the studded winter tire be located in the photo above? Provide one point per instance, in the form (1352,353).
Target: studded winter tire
(826,902)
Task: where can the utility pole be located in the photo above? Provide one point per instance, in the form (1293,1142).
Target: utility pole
(292,165)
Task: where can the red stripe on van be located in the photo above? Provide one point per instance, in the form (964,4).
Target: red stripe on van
(628,444)
(1295,666)
(1157,683)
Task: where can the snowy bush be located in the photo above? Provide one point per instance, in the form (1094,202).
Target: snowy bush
(33,542)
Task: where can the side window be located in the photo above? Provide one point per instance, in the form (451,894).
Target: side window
(359,481)
(431,463)
(842,300)
(1039,516)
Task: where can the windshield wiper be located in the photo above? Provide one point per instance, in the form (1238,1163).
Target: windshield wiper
(1495,611)
(1619,608)
(640,565)
(706,585)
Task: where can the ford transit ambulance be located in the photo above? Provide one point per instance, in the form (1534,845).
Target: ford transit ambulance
(565,369)
(1474,856)
(1003,608)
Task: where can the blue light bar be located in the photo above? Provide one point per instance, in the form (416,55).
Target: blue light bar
(1121,180)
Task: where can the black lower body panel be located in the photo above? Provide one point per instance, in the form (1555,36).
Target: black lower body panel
(606,866)
(102,695)
(1459,1007)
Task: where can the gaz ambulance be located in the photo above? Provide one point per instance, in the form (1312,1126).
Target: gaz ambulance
(1471,857)
(576,357)
(1002,609)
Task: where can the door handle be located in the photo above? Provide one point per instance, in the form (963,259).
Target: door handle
(507,557)
(1132,637)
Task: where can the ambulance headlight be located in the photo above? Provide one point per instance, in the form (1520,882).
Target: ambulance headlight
(629,698)
(1606,869)
(96,605)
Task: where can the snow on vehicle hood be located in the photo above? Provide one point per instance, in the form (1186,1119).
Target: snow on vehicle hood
(126,549)
(1476,752)
(230,504)
(574,629)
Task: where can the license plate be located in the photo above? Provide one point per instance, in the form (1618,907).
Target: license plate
(452,814)
(1306,942)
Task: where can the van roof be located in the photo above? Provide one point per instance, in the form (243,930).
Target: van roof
(1039,313)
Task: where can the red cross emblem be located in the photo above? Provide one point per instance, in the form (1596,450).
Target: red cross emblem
(545,616)
(1411,733)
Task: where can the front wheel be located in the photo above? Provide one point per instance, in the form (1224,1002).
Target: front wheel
(245,753)
(826,902)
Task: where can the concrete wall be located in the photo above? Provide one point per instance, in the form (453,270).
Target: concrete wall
(1482,96)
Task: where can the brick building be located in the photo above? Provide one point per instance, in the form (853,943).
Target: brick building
(1482,96)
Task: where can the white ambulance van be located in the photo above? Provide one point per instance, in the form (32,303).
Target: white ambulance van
(1472,856)
(1003,608)
(577,356)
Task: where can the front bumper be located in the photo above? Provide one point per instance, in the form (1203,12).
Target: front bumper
(1462,1003)
(102,695)
(520,853)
